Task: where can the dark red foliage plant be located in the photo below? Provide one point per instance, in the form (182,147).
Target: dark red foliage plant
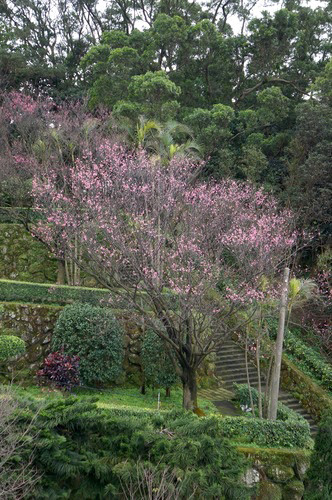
(60,370)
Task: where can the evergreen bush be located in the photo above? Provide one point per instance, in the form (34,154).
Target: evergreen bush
(86,452)
(157,365)
(10,346)
(319,477)
(93,334)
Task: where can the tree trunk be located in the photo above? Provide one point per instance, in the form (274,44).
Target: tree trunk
(248,378)
(168,392)
(189,389)
(260,409)
(61,272)
(278,349)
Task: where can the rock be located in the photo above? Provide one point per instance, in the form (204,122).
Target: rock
(269,491)
(134,359)
(301,467)
(251,477)
(135,349)
(293,490)
(280,473)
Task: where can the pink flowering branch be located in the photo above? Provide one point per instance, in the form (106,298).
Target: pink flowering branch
(184,255)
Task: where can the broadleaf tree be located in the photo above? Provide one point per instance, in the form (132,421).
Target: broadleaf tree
(183,254)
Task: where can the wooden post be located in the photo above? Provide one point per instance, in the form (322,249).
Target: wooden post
(275,381)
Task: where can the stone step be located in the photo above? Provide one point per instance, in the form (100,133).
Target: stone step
(230,365)
(235,354)
(239,378)
(238,371)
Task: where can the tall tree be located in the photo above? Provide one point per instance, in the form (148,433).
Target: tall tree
(190,268)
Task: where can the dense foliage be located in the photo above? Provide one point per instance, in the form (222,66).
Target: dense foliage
(60,371)
(159,369)
(309,360)
(254,87)
(86,452)
(10,346)
(95,336)
(319,477)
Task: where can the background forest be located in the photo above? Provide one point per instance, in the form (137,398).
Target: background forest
(256,103)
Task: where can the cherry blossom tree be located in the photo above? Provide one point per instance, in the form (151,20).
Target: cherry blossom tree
(182,254)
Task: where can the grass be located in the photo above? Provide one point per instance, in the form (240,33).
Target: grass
(119,397)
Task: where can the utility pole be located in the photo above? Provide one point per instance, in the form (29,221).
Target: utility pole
(275,381)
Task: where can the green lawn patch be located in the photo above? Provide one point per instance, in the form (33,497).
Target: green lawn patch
(119,397)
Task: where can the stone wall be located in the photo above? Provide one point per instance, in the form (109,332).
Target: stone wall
(35,323)
(23,258)
(277,474)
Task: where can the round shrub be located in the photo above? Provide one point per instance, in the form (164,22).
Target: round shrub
(93,334)
(158,368)
(10,346)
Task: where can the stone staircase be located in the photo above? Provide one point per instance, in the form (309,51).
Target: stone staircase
(230,366)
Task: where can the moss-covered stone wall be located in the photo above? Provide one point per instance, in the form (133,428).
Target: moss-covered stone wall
(24,258)
(277,473)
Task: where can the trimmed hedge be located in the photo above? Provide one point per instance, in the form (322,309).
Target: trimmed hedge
(49,293)
(269,433)
(43,293)
(277,433)
(309,360)
(290,430)
(93,334)
(283,412)
(15,214)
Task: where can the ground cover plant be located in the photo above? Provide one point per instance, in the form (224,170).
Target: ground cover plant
(17,474)
(309,360)
(107,445)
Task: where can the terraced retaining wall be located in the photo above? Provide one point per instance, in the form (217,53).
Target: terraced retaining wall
(277,473)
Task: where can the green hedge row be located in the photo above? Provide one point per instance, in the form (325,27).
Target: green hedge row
(284,413)
(41,293)
(277,433)
(44,293)
(309,360)
(289,430)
